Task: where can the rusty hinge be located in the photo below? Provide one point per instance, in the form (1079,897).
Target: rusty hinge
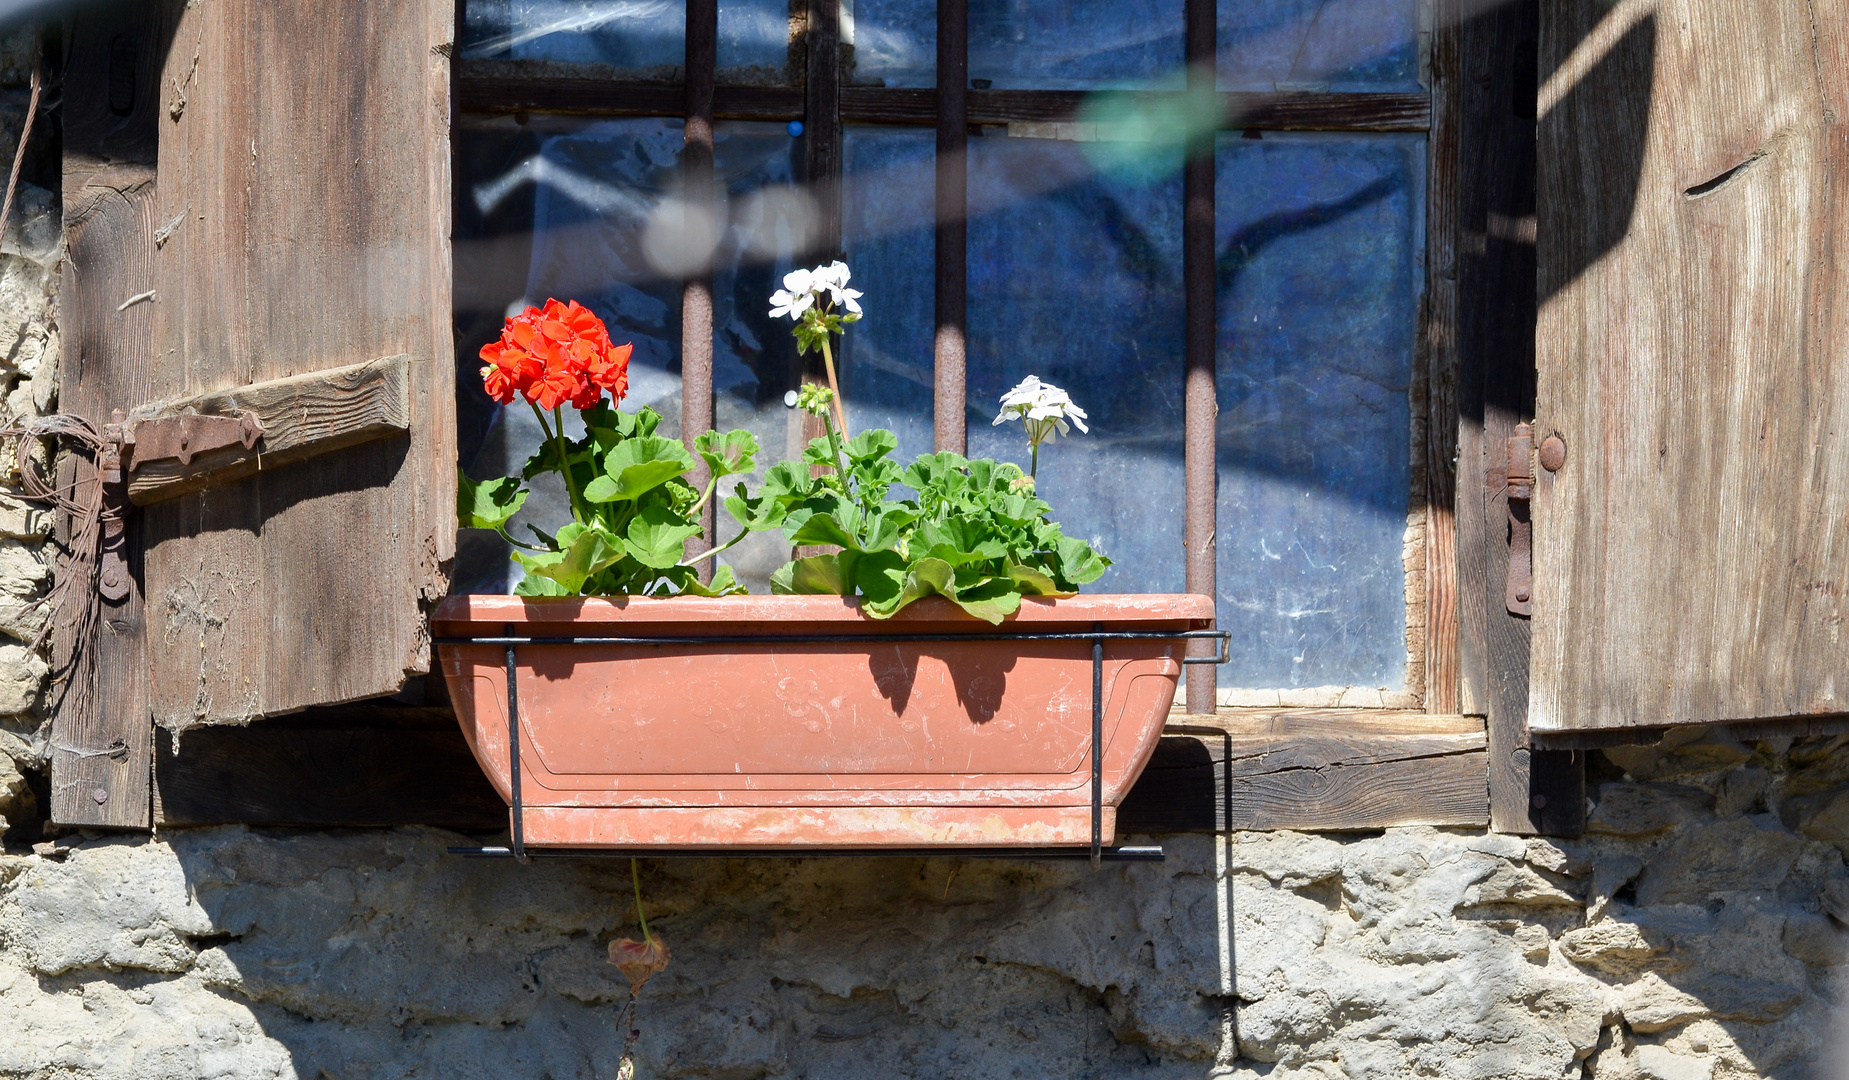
(185,434)
(128,444)
(1519,596)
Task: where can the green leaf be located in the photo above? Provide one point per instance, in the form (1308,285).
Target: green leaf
(637,466)
(1078,563)
(723,584)
(731,454)
(1032,582)
(992,600)
(534,585)
(879,576)
(871,445)
(927,577)
(585,550)
(656,536)
(489,504)
(827,575)
(823,529)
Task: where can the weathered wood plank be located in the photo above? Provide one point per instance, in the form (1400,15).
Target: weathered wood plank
(1329,771)
(1439,356)
(305,168)
(109,189)
(302,416)
(363,765)
(1530,791)
(1690,557)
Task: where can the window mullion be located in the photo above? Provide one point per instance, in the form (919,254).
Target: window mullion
(700,196)
(952,224)
(1201,400)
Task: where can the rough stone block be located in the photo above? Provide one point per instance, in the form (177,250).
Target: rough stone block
(1650,1005)
(1741,791)
(1816,940)
(1643,809)
(1747,854)
(1614,947)
(1661,1063)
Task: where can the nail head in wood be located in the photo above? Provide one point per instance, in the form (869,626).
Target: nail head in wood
(101,795)
(1553,453)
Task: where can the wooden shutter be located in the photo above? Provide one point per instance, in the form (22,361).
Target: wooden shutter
(293,237)
(1691,557)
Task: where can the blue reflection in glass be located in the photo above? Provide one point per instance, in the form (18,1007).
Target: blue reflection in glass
(598,186)
(1319,242)
(888,203)
(1076,277)
(1074,44)
(895,43)
(1340,45)
(639,38)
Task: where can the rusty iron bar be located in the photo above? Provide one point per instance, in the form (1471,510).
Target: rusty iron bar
(516,822)
(1201,408)
(1520,598)
(950,419)
(697,291)
(1097,745)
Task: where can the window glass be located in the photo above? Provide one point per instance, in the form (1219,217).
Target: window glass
(1340,45)
(894,42)
(1075,276)
(1073,44)
(1022,44)
(1319,244)
(889,199)
(641,39)
(604,229)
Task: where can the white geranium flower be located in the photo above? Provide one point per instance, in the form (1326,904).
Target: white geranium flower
(1043,410)
(783,302)
(800,281)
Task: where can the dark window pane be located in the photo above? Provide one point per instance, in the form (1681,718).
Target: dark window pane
(639,39)
(1319,242)
(1318,45)
(888,200)
(603,230)
(1075,276)
(894,42)
(1073,44)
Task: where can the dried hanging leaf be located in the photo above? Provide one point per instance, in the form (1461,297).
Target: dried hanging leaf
(638,959)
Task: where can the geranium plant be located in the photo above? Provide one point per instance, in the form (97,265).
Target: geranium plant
(632,508)
(974,532)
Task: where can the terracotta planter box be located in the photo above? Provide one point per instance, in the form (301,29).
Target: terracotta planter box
(785,743)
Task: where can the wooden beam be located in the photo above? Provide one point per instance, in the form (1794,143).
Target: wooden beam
(343,766)
(1328,771)
(1439,348)
(503,94)
(303,416)
(101,731)
(1531,791)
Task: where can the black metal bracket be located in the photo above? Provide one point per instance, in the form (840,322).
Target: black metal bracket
(1097,852)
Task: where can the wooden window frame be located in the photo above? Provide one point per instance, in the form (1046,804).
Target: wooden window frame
(825,107)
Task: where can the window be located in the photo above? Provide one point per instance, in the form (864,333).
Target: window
(572,181)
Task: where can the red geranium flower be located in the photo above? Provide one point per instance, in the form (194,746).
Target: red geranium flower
(553,355)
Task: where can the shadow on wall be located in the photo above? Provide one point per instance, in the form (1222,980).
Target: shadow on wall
(1695,932)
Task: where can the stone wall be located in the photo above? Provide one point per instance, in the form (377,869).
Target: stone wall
(1694,934)
(31,251)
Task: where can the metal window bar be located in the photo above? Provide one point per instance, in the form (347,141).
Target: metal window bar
(1097,852)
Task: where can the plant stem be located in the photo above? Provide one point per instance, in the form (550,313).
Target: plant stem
(635,875)
(834,442)
(1033,461)
(710,552)
(711,486)
(557,438)
(828,362)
